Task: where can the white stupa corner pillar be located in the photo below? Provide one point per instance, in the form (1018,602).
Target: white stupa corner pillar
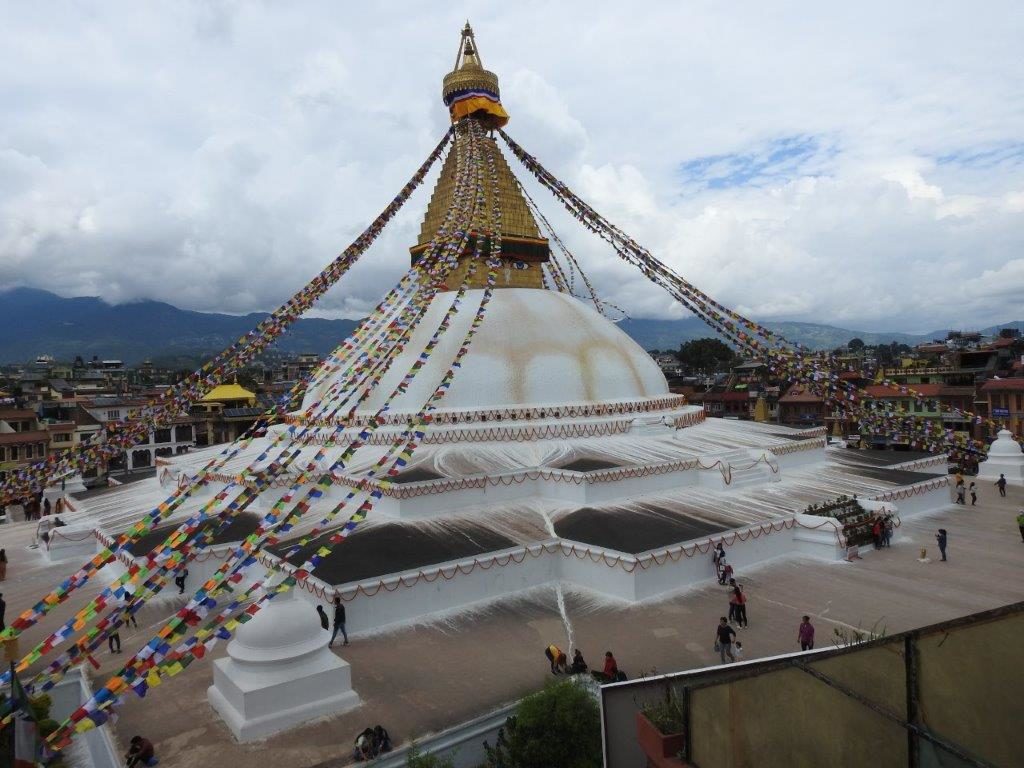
(1004,458)
(279,673)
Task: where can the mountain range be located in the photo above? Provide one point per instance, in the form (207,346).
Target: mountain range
(35,322)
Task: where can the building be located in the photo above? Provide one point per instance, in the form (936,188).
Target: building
(1005,401)
(800,406)
(225,413)
(23,440)
(108,412)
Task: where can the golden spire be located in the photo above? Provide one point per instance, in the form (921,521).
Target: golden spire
(471,92)
(469,89)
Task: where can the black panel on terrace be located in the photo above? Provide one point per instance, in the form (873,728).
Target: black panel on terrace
(391,547)
(589,465)
(632,530)
(897,476)
(417,475)
(883,458)
(797,438)
(241,526)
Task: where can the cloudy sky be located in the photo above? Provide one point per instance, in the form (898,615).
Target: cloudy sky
(859,163)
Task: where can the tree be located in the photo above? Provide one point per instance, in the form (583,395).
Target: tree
(559,727)
(706,355)
(855,345)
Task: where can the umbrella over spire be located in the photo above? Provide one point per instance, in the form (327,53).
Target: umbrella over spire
(469,89)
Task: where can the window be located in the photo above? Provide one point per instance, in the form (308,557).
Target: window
(114,415)
(183,433)
(162,436)
(14,453)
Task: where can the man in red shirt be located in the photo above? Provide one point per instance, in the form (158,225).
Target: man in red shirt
(139,753)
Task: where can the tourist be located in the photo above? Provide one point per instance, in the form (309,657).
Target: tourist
(339,622)
(961,493)
(46,508)
(717,557)
(741,606)
(556,656)
(805,634)
(887,531)
(58,507)
(940,537)
(737,651)
(324,622)
(1020,524)
(1001,484)
(579,666)
(876,532)
(724,635)
(610,673)
(3,564)
(129,617)
(114,638)
(364,746)
(179,581)
(140,752)
(959,479)
(726,572)
(974,493)
(734,600)
(381,740)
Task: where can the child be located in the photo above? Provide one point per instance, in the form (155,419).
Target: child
(726,573)
(737,650)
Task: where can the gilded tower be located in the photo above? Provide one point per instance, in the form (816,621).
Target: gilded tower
(471,93)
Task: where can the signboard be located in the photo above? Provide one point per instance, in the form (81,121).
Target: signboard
(1001,413)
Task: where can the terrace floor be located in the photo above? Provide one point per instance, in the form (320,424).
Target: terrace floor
(423,678)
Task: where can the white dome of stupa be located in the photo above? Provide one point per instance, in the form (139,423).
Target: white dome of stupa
(287,628)
(534,348)
(1004,445)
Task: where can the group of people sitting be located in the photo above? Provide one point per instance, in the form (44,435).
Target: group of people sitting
(371,743)
(560,663)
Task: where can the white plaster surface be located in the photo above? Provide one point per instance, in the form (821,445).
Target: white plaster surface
(1004,458)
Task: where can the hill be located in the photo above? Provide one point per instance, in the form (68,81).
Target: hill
(37,322)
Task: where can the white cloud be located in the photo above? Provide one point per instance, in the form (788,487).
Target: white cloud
(861,165)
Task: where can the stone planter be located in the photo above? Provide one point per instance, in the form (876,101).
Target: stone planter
(661,749)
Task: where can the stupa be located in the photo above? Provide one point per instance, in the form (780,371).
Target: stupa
(557,454)
(1004,458)
(279,672)
(485,432)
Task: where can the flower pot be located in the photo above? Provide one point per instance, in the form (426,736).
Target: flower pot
(661,749)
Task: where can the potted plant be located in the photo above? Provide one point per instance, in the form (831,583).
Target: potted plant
(659,730)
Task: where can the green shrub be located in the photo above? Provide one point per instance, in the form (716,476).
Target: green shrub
(415,759)
(558,727)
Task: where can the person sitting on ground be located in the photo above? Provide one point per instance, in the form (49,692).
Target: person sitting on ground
(140,752)
(364,746)
(381,739)
(559,662)
(610,673)
(579,666)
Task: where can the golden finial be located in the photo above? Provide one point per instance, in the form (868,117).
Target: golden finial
(469,89)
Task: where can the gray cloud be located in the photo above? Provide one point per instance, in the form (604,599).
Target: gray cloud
(860,165)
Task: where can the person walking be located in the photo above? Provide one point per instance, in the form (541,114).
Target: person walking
(887,531)
(741,606)
(324,623)
(974,493)
(129,617)
(179,581)
(1020,524)
(805,634)
(1001,485)
(734,601)
(3,564)
(724,635)
(339,622)
(961,493)
(941,537)
(114,638)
